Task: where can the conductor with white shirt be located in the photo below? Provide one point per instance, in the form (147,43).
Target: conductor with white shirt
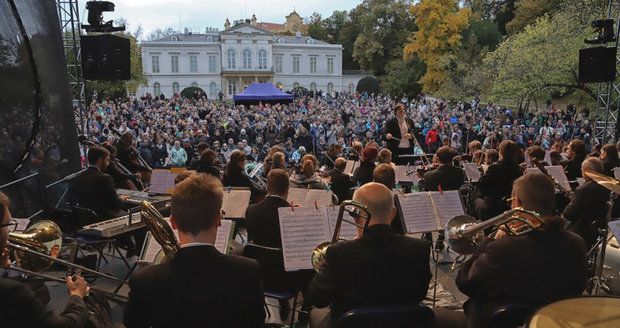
(399,135)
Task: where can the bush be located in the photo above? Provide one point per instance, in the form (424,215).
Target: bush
(193,92)
(368,84)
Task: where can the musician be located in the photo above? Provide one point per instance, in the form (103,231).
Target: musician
(341,183)
(268,161)
(534,269)
(538,153)
(399,134)
(129,157)
(385,175)
(20,307)
(355,151)
(445,175)
(381,268)
(308,176)
(235,175)
(491,156)
(334,151)
(576,153)
(199,287)
(496,184)
(385,156)
(122,177)
(363,173)
(587,210)
(209,164)
(609,156)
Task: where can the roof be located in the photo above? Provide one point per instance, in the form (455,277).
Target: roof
(294,39)
(262,91)
(272,27)
(193,37)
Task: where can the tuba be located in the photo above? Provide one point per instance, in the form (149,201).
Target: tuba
(161,231)
(357,211)
(464,233)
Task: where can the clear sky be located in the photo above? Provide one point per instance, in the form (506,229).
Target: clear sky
(152,14)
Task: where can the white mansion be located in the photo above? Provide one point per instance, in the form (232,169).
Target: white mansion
(231,59)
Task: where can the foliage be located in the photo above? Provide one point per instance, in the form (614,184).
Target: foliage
(402,77)
(192,92)
(339,28)
(368,84)
(486,31)
(527,11)
(440,23)
(161,33)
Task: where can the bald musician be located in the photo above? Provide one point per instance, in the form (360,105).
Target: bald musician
(536,268)
(381,268)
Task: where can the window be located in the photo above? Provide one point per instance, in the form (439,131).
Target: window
(295,85)
(193,64)
(155,64)
(195,84)
(247,59)
(212,89)
(280,40)
(175,87)
(278,65)
(310,41)
(295,64)
(209,38)
(312,64)
(312,86)
(351,88)
(212,64)
(156,89)
(262,59)
(231,58)
(330,87)
(330,65)
(174,64)
(232,87)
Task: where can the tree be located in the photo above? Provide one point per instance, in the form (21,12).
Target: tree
(160,34)
(527,11)
(384,28)
(440,23)
(368,84)
(402,77)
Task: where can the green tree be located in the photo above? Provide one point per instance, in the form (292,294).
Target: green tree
(368,84)
(440,23)
(527,11)
(402,77)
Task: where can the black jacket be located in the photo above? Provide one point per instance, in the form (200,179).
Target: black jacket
(240,179)
(392,127)
(20,308)
(159,155)
(341,185)
(95,190)
(446,176)
(589,205)
(535,268)
(363,173)
(573,168)
(199,287)
(379,269)
(495,186)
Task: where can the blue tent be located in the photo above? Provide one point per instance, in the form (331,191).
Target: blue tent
(262,92)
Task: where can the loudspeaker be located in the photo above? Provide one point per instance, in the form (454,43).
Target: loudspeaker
(105,57)
(597,64)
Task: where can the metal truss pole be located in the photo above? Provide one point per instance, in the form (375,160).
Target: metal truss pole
(608,96)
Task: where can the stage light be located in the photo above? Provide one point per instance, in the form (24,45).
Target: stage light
(605,30)
(95,17)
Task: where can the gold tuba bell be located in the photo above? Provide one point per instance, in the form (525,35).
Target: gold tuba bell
(161,231)
(42,237)
(357,211)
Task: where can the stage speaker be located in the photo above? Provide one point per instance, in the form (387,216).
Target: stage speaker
(597,64)
(105,57)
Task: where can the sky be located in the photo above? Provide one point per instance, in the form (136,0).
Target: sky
(199,14)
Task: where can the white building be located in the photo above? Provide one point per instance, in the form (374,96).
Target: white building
(232,59)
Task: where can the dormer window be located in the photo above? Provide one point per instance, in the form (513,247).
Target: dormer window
(175,38)
(280,40)
(310,41)
(209,38)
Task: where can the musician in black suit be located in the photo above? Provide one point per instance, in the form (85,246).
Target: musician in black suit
(381,268)
(18,303)
(445,175)
(341,183)
(235,175)
(587,210)
(399,134)
(199,287)
(496,184)
(535,268)
(576,153)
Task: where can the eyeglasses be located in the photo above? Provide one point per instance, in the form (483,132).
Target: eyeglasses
(12,225)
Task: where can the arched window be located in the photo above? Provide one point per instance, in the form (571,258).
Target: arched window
(209,38)
(175,87)
(330,87)
(156,89)
(212,89)
(295,85)
(231,58)
(195,84)
(247,59)
(351,88)
(262,59)
(312,86)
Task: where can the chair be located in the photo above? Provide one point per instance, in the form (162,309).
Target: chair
(510,315)
(256,252)
(415,316)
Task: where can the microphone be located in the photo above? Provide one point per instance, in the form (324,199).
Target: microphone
(84,140)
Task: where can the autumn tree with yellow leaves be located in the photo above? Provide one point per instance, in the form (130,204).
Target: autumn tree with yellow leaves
(440,23)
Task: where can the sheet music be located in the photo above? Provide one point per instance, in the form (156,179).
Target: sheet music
(401,173)
(617,173)
(297,196)
(351,165)
(547,156)
(448,205)
(472,171)
(347,230)
(162,181)
(224,236)
(558,173)
(235,203)
(415,209)
(322,197)
(21,224)
(301,231)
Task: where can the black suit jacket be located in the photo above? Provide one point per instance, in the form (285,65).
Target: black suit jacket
(535,268)
(446,176)
(199,287)
(379,269)
(20,308)
(363,173)
(589,205)
(496,185)
(341,185)
(573,168)
(392,127)
(95,190)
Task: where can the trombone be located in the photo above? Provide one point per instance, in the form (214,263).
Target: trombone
(357,211)
(464,233)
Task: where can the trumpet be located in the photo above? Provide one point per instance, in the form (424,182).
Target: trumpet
(161,231)
(357,211)
(465,234)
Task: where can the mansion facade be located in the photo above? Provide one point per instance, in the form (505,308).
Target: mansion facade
(231,59)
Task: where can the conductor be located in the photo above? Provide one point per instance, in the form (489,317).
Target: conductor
(399,134)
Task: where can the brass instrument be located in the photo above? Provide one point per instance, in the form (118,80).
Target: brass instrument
(464,233)
(161,231)
(356,210)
